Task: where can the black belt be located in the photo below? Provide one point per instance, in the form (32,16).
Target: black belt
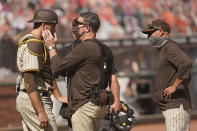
(43,93)
(23,90)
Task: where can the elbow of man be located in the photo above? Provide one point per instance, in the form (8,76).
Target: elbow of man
(188,62)
(187,65)
(57,70)
(185,70)
(56,65)
(54,68)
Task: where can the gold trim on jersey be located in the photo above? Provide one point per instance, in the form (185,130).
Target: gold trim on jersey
(45,55)
(45,50)
(22,39)
(34,35)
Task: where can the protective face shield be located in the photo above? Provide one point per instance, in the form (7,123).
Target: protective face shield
(123,122)
(75,28)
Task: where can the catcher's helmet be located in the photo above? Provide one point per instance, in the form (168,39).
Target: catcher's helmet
(124,122)
(44,15)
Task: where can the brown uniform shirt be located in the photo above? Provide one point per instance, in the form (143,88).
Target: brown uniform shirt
(172,63)
(85,68)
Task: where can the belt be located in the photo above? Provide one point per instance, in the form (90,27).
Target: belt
(43,93)
(23,90)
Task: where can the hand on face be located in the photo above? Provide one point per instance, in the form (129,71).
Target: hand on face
(49,39)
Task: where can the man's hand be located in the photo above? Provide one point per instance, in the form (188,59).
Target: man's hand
(63,99)
(116,107)
(57,94)
(49,39)
(169,91)
(44,121)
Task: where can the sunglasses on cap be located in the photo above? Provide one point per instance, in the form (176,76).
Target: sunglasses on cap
(153,26)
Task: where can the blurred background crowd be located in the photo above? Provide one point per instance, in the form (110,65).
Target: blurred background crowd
(119,18)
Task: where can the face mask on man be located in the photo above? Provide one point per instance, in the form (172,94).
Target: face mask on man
(158,42)
(75,31)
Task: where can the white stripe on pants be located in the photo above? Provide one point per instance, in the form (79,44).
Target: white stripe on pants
(177,119)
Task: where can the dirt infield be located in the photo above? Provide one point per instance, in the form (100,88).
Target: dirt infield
(161,126)
(8,114)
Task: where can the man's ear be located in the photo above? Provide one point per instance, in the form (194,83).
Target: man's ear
(42,27)
(150,34)
(161,32)
(88,29)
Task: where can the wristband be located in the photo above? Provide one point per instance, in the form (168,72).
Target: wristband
(51,48)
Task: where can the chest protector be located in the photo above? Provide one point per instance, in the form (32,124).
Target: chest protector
(37,47)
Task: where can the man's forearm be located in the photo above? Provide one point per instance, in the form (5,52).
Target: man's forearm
(52,53)
(58,95)
(171,89)
(35,99)
(115,88)
(177,82)
(56,92)
(31,88)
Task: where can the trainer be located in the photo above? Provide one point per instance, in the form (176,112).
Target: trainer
(85,67)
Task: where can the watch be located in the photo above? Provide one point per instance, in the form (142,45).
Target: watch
(51,48)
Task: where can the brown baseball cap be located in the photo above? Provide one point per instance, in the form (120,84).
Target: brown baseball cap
(157,25)
(44,15)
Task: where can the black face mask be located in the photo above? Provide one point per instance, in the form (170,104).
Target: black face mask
(75,28)
(75,31)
